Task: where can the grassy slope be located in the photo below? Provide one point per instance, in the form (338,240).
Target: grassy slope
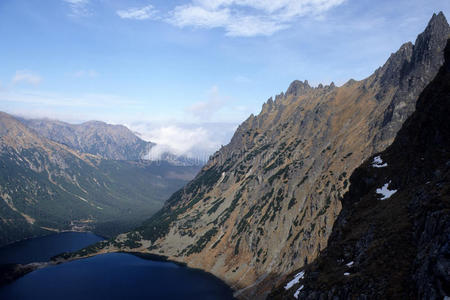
(45,185)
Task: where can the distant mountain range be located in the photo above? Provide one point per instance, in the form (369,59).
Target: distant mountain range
(265,204)
(106,140)
(47,186)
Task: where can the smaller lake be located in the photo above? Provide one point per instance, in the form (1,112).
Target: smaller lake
(106,276)
(43,248)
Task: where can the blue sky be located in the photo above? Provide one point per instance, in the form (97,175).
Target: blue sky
(185,73)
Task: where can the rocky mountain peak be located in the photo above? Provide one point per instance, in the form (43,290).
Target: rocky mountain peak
(265,203)
(268,105)
(391,71)
(298,88)
(94,123)
(437,24)
(409,228)
(420,57)
(407,72)
(433,38)
(95,137)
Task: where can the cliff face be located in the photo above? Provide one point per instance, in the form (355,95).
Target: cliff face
(46,186)
(94,137)
(265,204)
(396,247)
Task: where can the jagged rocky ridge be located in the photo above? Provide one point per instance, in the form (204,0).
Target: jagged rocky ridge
(46,186)
(265,204)
(397,248)
(109,141)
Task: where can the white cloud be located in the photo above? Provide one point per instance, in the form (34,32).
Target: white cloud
(243,18)
(195,139)
(26,76)
(198,16)
(192,140)
(204,110)
(85,101)
(76,2)
(178,140)
(78,8)
(86,73)
(143,13)
(247,17)
(248,26)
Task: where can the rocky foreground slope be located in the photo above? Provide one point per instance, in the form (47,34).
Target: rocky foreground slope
(392,245)
(46,186)
(265,204)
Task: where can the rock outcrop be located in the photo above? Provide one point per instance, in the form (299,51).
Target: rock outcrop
(265,204)
(393,246)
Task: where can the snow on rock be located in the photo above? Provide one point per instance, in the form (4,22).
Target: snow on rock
(350,264)
(295,280)
(346,274)
(221,178)
(298,292)
(378,162)
(385,191)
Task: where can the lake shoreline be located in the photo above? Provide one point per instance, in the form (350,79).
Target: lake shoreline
(11,272)
(155,257)
(163,258)
(149,257)
(51,233)
(13,268)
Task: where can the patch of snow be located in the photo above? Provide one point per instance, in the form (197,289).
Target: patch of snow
(221,178)
(346,274)
(295,280)
(350,264)
(385,191)
(378,162)
(298,292)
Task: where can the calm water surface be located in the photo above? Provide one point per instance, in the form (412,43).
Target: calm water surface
(43,248)
(107,276)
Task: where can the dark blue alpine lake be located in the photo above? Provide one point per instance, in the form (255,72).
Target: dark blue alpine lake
(43,248)
(109,276)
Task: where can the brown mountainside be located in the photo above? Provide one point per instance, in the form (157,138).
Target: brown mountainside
(266,203)
(396,248)
(15,136)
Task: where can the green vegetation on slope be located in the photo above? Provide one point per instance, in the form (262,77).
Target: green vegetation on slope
(45,186)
